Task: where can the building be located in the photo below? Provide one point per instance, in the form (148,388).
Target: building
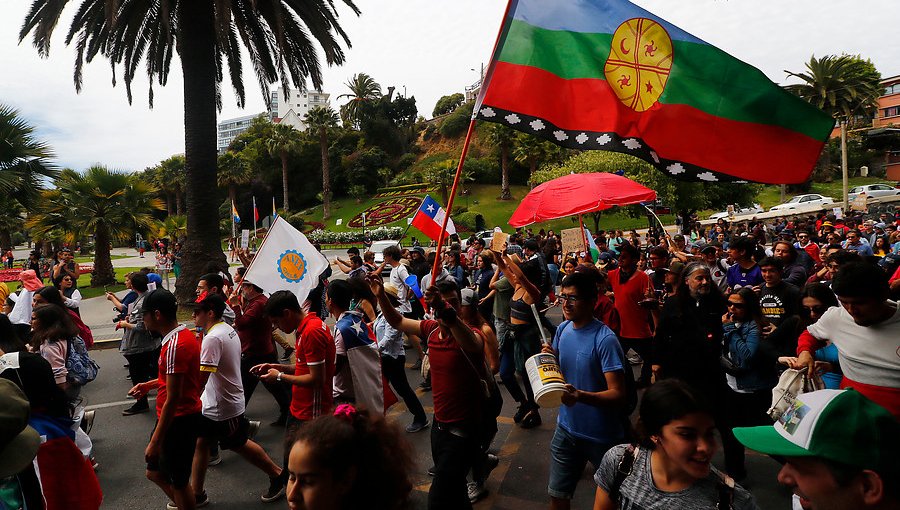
(887,124)
(290,106)
(229,129)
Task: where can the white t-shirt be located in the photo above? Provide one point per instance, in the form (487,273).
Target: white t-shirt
(398,280)
(220,354)
(868,355)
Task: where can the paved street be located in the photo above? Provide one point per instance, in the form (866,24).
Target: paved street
(519,483)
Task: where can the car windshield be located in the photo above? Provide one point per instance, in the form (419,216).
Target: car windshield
(856,190)
(794,200)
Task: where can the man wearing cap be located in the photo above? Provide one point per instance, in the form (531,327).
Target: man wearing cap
(171,449)
(839,451)
(717,266)
(255,332)
(866,331)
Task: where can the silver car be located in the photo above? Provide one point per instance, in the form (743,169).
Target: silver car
(873,190)
(801,201)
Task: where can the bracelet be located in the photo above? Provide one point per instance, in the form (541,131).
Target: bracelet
(278,377)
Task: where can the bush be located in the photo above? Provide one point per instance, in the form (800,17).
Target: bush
(457,122)
(430,132)
(375,234)
(484,170)
(405,161)
(466,219)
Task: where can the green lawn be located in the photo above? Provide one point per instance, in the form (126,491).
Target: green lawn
(483,199)
(90,258)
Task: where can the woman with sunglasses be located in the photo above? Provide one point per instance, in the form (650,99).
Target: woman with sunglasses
(749,377)
(816,299)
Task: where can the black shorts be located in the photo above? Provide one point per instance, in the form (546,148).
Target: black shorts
(230,434)
(178,450)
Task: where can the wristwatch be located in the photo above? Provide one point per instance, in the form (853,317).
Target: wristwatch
(278,377)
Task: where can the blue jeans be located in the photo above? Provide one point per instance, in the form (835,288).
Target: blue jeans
(568,456)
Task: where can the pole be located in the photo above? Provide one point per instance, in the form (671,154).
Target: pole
(844,171)
(587,247)
(459,167)
(254,217)
(663,227)
(233,227)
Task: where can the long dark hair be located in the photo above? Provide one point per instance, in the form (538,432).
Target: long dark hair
(55,324)
(751,305)
(366,449)
(665,401)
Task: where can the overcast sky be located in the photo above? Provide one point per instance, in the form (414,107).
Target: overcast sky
(429,46)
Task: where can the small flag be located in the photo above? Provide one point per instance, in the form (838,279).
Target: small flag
(255,211)
(429,218)
(592,246)
(286,260)
(274,211)
(234,214)
(339,221)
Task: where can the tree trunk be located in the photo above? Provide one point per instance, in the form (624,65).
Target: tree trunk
(504,173)
(5,239)
(844,170)
(532,168)
(170,206)
(326,178)
(196,49)
(284,179)
(103,273)
(232,192)
(179,202)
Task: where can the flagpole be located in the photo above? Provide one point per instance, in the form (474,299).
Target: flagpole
(257,251)
(587,247)
(459,167)
(255,214)
(233,226)
(663,227)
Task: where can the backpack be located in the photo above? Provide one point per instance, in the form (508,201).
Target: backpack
(82,369)
(725,487)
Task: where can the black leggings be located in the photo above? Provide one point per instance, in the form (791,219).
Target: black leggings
(143,367)
(280,391)
(394,370)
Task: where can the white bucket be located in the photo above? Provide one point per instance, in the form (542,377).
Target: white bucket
(546,379)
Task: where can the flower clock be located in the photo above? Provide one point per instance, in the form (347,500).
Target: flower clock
(387,211)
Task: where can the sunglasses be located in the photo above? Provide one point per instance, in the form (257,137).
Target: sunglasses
(818,309)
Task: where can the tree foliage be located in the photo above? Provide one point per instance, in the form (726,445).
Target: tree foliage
(844,86)
(363,90)
(447,104)
(24,160)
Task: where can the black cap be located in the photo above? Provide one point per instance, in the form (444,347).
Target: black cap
(710,247)
(162,300)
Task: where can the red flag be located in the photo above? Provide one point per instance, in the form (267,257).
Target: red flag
(255,211)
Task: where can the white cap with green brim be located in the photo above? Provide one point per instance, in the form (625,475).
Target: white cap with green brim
(838,425)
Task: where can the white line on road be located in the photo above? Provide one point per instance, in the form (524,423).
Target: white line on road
(113,404)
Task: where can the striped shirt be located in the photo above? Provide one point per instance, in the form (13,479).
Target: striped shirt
(180,354)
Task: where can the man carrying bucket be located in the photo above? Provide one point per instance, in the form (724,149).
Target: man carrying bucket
(592,361)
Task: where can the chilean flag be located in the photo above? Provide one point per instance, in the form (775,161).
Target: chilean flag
(429,218)
(369,384)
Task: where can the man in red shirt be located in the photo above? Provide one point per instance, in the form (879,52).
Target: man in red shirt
(630,287)
(255,331)
(311,380)
(171,449)
(459,384)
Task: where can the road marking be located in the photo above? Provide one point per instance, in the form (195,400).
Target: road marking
(113,404)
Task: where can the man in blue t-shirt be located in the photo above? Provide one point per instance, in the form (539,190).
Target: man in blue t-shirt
(744,272)
(591,360)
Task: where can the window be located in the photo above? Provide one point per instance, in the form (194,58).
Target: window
(892,89)
(891,111)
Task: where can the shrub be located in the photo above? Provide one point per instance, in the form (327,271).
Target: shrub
(375,234)
(466,219)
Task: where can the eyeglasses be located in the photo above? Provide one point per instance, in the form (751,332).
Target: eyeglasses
(818,309)
(565,298)
(732,304)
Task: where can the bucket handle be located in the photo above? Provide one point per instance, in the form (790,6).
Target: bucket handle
(537,319)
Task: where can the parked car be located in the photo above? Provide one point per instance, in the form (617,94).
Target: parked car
(801,201)
(484,234)
(873,190)
(738,211)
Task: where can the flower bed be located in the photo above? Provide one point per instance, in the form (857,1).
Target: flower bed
(386,211)
(376,234)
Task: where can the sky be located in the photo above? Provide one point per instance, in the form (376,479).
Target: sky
(429,47)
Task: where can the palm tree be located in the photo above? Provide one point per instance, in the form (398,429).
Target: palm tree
(502,138)
(532,151)
(24,162)
(319,121)
(363,89)
(109,205)
(170,178)
(234,171)
(285,140)
(844,86)
(173,228)
(281,37)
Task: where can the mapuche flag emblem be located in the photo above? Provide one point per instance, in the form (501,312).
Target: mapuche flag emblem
(609,75)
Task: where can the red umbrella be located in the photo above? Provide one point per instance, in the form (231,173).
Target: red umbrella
(578,194)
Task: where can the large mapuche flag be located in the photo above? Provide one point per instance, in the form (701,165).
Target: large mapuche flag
(608,75)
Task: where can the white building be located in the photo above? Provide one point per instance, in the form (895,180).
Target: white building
(290,108)
(229,129)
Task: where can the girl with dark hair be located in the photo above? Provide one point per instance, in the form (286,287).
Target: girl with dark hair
(70,294)
(749,377)
(363,301)
(816,299)
(52,295)
(525,339)
(671,468)
(51,329)
(453,266)
(349,460)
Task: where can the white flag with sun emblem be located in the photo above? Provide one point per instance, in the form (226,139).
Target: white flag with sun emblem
(286,261)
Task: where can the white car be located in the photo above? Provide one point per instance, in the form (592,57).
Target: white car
(738,211)
(801,201)
(378,249)
(873,190)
